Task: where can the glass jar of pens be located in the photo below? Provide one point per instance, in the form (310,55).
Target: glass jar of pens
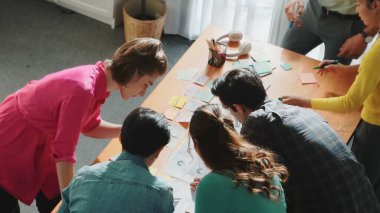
(217,53)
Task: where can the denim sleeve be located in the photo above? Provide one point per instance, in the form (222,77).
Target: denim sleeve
(167,202)
(65,201)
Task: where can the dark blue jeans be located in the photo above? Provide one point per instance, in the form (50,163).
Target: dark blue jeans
(366,147)
(9,204)
(317,28)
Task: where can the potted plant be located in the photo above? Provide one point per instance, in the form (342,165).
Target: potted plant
(144,18)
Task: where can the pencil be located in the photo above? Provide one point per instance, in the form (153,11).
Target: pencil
(329,63)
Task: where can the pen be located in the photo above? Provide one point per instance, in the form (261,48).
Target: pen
(295,8)
(291,24)
(329,63)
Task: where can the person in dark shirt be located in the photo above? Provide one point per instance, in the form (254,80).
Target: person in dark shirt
(324,176)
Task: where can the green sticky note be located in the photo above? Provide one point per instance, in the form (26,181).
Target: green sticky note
(286,66)
(262,68)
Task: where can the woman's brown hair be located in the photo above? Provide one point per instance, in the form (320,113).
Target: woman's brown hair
(223,150)
(143,56)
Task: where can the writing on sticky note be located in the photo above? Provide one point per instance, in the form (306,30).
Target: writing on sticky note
(204,95)
(178,101)
(286,66)
(307,78)
(184,116)
(171,113)
(200,79)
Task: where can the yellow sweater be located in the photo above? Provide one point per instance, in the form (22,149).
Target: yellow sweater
(364,91)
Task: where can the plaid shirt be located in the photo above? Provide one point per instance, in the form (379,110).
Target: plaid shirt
(324,176)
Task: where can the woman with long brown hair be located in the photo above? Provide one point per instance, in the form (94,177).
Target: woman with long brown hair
(244,177)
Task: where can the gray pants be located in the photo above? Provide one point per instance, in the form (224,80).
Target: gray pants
(317,28)
(366,147)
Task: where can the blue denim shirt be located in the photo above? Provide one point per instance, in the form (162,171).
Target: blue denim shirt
(124,185)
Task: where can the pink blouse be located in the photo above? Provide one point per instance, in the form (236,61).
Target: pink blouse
(41,124)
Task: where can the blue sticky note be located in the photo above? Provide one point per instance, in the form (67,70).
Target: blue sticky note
(246,62)
(262,68)
(204,95)
(209,83)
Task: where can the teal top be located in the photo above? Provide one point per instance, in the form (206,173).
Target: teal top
(217,193)
(120,186)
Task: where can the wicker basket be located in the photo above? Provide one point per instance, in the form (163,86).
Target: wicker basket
(135,28)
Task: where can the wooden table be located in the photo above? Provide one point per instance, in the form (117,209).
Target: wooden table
(281,83)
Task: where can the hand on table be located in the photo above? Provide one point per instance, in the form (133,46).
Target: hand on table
(296,101)
(328,67)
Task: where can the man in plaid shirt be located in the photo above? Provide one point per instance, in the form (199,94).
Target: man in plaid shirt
(324,176)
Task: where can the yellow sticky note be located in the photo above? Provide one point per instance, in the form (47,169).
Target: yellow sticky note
(153,170)
(178,101)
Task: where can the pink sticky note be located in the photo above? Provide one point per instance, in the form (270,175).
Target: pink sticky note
(171,113)
(184,116)
(307,78)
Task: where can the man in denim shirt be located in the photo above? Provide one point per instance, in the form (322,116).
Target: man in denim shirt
(125,185)
(324,176)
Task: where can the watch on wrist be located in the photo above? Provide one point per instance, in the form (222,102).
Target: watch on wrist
(367,38)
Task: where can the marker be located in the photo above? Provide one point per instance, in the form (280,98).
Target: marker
(291,24)
(295,8)
(329,63)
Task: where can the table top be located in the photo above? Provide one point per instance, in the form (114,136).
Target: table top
(281,83)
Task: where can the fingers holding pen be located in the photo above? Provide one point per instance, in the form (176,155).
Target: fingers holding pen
(327,66)
(293,11)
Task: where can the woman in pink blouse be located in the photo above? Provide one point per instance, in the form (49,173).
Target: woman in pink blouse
(41,123)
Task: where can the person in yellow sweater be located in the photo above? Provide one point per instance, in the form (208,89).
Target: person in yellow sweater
(365,91)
